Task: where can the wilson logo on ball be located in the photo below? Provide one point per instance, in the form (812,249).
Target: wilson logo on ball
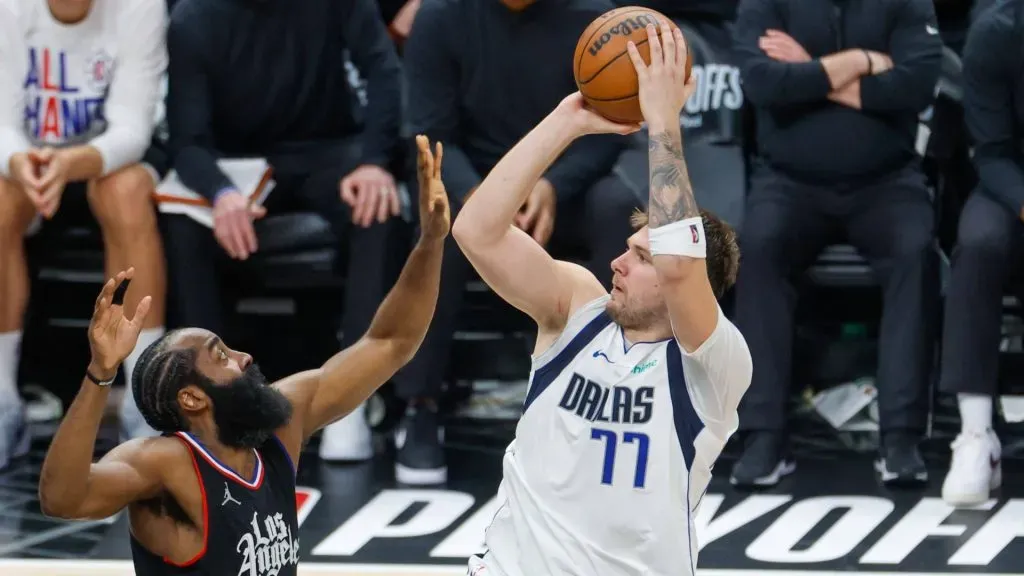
(623,28)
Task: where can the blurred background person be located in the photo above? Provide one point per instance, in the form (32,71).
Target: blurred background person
(837,119)
(79,86)
(269,79)
(988,254)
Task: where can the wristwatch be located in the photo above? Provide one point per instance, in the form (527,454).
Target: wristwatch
(99,382)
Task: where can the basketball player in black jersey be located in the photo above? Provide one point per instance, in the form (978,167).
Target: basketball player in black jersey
(215,494)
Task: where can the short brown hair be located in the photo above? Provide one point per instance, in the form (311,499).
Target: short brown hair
(723,259)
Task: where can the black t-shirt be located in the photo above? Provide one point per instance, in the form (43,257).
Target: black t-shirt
(251,525)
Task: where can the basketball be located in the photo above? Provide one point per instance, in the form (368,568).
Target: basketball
(604,73)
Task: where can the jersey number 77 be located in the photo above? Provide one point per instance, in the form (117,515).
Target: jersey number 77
(611,442)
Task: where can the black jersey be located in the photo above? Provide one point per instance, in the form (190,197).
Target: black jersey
(250,527)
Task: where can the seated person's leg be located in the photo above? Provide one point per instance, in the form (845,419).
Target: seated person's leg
(193,274)
(365,288)
(989,243)
(123,206)
(16,214)
(783,232)
(420,458)
(608,206)
(892,225)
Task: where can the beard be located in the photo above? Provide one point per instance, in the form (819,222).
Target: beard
(630,316)
(247,410)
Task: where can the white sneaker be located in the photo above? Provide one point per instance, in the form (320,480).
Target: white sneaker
(133,424)
(348,439)
(975,470)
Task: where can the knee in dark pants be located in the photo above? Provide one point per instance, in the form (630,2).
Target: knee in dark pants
(913,244)
(763,242)
(985,236)
(610,204)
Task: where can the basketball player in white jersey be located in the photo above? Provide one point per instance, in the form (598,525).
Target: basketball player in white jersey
(632,394)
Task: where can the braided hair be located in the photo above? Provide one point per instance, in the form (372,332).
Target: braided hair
(159,374)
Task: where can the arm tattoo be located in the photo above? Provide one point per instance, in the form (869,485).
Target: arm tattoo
(671,195)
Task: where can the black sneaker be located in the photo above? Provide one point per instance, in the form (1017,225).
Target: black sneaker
(899,462)
(764,461)
(420,459)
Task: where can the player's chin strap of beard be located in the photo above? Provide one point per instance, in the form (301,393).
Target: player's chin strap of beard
(681,238)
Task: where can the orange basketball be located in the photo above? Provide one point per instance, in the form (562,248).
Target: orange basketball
(604,73)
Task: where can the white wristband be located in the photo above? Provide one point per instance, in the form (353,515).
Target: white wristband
(682,238)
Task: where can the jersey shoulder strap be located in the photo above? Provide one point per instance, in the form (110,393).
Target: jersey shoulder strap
(582,328)
(574,328)
(277,458)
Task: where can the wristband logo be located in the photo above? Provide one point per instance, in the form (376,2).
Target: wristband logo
(694,234)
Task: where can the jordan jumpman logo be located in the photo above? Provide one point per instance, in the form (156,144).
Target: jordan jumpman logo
(228,497)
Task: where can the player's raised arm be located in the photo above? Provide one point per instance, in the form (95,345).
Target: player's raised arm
(71,485)
(349,377)
(508,259)
(675,226)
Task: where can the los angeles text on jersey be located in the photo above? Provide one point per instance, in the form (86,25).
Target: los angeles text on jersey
(599,403)
(759,532)
(268,547)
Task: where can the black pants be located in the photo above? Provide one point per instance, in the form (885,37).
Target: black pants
(987,257)
(786,226)
(597,220)
(304,182)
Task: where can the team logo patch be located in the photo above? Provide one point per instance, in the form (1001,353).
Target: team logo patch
(99,70)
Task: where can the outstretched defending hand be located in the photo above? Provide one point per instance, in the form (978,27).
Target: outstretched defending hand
(435,220)
(112,336)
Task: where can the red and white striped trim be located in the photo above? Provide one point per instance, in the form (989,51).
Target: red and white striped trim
(257,480)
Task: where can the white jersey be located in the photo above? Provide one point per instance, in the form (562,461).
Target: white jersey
(614,452)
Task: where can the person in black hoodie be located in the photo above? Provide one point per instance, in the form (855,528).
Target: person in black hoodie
(837,87)
(484,73)
(990,247)
(270,79)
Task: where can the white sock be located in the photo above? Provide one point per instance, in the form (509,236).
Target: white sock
(975,413)
(10,348)
(146,337)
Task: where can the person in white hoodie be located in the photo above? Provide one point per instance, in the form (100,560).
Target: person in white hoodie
(79,86)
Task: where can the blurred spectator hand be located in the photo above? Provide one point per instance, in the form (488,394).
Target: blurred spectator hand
(42,173)
(53,178)
(402,24)
(537,216)
(782,47)
(879,62)
(26,170)
(232,224)
(370,191)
